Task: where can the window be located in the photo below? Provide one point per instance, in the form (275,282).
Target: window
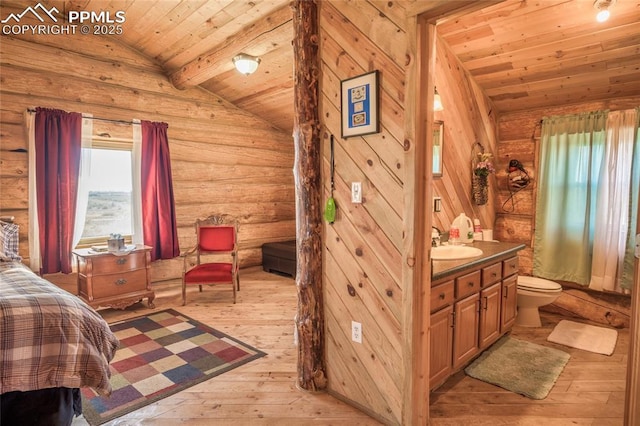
(109,198)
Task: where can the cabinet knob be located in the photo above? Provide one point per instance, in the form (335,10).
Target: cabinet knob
(441,296)
(495,274)
(121,281)
(121,261)
(470,283)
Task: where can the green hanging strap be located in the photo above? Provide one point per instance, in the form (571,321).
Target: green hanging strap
(330,208)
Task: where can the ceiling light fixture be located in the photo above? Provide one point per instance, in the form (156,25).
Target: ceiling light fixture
(437,101)
(246,64)
(602,6)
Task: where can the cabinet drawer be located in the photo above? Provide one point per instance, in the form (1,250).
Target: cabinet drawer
(468,284)
(491,274)
(117,284)
(441,295)
(112,264)
(510,266)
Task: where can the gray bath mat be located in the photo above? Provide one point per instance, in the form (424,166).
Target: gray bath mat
(521,367)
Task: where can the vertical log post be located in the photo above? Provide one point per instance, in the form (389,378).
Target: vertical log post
(306,134)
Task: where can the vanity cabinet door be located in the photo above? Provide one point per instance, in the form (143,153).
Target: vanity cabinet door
(441,344)
(490,303)
(509,302)
(466,329)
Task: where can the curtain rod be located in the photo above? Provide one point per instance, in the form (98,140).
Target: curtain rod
(96,118)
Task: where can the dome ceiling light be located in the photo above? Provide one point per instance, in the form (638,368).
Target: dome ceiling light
(246,64)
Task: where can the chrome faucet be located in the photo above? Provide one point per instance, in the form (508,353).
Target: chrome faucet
(435,236)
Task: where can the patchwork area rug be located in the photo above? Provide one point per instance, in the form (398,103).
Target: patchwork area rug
(521,367)
(587,337)
(161,354)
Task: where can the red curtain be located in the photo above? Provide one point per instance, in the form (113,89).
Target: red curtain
(158,208)
(58,149)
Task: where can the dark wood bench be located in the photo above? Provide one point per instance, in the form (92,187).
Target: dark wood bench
(280,257)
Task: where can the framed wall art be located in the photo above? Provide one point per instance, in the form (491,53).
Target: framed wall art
(359,102)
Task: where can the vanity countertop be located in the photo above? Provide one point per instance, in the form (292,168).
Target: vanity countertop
(491,251)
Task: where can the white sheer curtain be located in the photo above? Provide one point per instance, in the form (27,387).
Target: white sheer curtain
(35,260)
(82,199)
(137,236)
(612,211)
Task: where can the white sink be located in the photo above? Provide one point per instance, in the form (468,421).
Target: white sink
(454,252)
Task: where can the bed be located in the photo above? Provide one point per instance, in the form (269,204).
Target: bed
(51,344)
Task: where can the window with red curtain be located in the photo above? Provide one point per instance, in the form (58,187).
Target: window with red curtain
(58,148)
(158,208)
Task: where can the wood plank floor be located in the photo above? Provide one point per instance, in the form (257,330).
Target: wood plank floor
(590,390)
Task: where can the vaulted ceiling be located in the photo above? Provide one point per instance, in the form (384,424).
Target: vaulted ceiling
(523,54)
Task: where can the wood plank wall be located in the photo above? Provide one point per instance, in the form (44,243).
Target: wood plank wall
(468,117)
(518,138)
(224,160)
(363,279)
(362,255)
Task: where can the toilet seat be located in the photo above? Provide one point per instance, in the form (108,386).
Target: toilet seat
(538,285)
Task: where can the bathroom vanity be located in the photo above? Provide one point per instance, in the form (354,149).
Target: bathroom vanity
(473,304)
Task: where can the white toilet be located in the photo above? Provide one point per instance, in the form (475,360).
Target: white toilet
(534,292)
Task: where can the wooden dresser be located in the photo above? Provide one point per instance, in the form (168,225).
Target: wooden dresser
(114,280)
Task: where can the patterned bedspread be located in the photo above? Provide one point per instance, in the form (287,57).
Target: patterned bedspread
(49,337)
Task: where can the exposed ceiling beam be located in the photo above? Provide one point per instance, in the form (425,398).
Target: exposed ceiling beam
(256,39)
(444,10)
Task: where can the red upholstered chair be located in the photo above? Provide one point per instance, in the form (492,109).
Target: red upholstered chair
(216,256)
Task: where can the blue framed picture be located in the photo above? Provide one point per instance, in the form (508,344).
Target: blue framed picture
(359,101)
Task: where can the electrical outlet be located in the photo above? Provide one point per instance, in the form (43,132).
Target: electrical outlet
(356,332)
(356,192)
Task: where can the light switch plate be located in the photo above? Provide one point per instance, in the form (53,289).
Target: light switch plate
(437,204)
(356,332)
(356,192)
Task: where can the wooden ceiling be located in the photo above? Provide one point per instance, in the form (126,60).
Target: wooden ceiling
(524,54)
(529,54)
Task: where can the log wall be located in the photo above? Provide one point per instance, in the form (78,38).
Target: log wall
(518,138)
(224,160)
(364,279)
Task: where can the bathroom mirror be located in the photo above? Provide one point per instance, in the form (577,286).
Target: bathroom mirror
(438,142)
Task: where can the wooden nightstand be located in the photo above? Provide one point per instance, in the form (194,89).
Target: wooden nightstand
(114,280)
